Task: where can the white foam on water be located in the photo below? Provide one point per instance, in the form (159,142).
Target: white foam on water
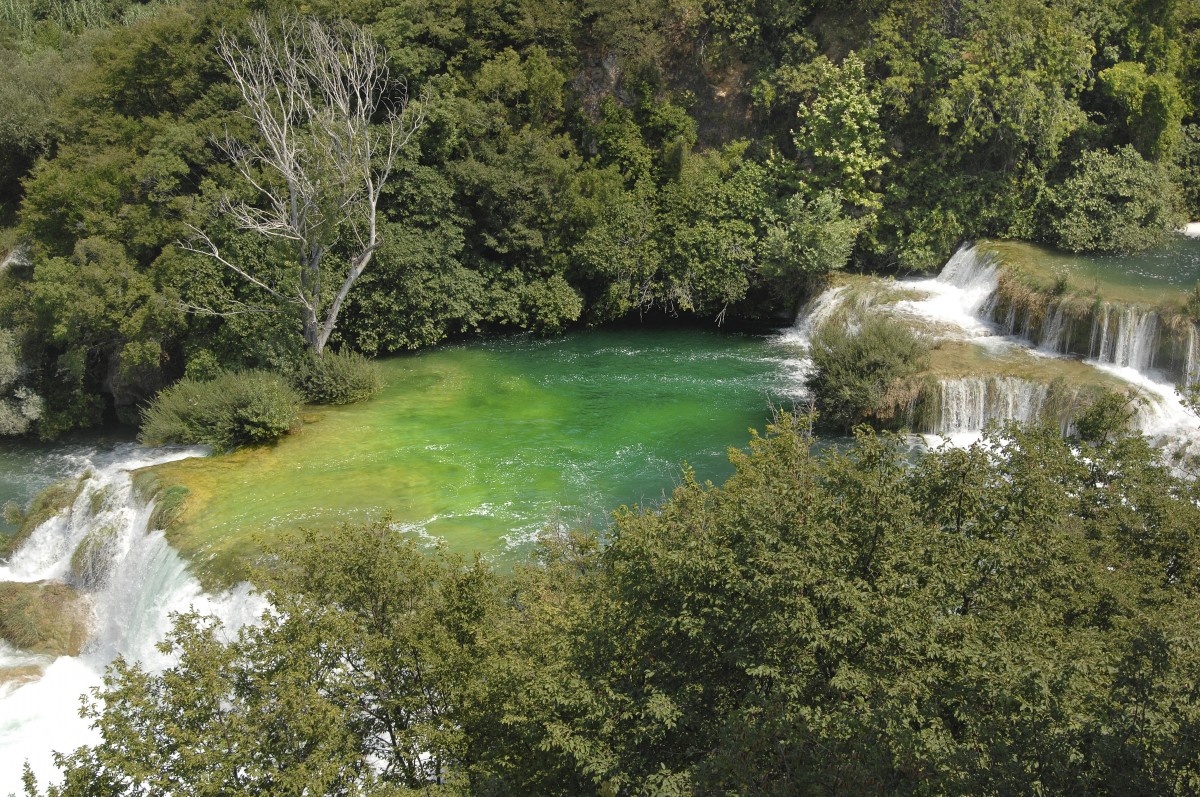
(134,582)
(955,300)
(957,304)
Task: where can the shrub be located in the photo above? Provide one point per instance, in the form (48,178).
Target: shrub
(20,407)
(1115,202)
(337,378)
(854,368)
(234,409)
(1109,416)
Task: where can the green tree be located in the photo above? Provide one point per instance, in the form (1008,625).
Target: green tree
(319,164)
(810,239)
(839,130)
(1114,202)
(354,682)
(855,366)
(1153,106)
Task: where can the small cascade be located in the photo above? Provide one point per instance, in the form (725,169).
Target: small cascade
(101,545)
(968,404)
(814,315)
(970,270)
(1056,332)
(1132,343)
(965,304)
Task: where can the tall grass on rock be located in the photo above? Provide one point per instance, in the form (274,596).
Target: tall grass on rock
(234,409)
(337,378)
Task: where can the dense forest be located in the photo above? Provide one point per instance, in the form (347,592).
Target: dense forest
(1011,619)
(1014,617)
(577,162)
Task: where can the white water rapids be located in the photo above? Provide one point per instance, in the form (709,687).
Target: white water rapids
(134,584)
(957,305)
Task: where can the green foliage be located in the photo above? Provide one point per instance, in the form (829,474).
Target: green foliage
(20,407)
(1153,105)
(1189,170)
(369,659)
(336,378)
(582,161)
(1006,618)
(840,131)
(811,239)
(1108,416)
(1015,88)
(855,367)
(235,409)
(1114,202)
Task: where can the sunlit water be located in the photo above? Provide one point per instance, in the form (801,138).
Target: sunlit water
(482,446)
(479,446)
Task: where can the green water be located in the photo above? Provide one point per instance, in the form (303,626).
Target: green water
(1177,264)
(1161,274)
(27,468)
(484,445)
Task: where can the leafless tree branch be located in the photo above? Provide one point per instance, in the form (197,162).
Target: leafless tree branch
(331,122)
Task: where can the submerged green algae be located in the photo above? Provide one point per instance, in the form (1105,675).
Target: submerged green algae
(482,446)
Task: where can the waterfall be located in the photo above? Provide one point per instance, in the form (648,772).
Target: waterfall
(970,270)
(963,304)
(967,404)
(814,315)
(1054,330)
(957,301)
(1134,341)
(133,580)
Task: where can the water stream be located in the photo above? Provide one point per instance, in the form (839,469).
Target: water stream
(480,446)
(961,305)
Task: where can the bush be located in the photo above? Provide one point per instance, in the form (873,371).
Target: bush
(337,378)
(232,410)
(20,407)
(855,368)
(1115,202)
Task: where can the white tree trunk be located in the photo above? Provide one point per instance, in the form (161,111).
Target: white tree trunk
(320,161)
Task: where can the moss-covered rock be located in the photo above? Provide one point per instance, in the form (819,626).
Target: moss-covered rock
(93,557)
(21,674)
(47,618)
(49,502)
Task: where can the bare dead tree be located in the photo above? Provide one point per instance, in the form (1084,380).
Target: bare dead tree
(331,122)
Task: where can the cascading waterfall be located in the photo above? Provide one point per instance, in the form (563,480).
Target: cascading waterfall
(1134,341)
(968,404)
(815,314)
(133,581)
(970,270)
(1191,368)
(1056,331)
(962,304)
